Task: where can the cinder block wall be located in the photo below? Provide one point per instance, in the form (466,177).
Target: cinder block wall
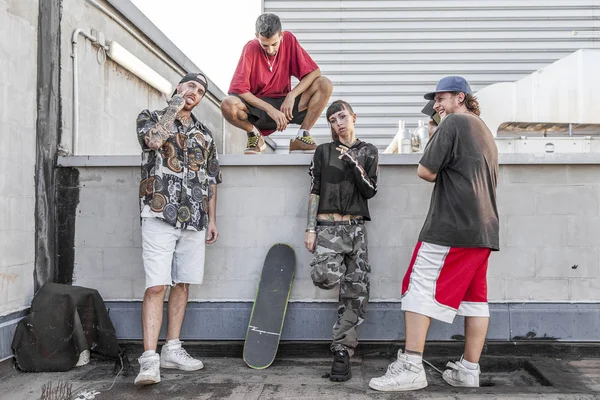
(550,232)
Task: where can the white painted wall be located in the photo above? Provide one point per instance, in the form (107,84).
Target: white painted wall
(110,97)
(18,77)
(550,222)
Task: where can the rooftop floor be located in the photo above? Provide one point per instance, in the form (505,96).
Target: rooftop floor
(557,371)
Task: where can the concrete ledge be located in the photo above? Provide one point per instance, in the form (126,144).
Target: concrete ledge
(304,159)
(384,322)
(8,324)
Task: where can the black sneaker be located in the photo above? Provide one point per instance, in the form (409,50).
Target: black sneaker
(340,369)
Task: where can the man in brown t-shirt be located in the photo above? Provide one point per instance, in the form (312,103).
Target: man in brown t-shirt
(447,273)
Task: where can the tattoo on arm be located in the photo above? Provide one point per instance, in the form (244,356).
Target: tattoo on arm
(212,203)
(157,135)
(313,208)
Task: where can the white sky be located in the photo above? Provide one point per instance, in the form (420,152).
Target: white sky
(211,33)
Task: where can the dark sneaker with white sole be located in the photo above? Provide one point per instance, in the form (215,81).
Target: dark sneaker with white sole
(340,369)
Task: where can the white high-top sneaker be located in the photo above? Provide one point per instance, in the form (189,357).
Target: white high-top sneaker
(401,375)
(174,356)
(459,375)
(149,369)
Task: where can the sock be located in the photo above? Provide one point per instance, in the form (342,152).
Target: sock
(469,364)
(172,341)
(251,134)
(148,353)
(414,358)
(302,132)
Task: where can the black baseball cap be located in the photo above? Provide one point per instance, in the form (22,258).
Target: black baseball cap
(196,77)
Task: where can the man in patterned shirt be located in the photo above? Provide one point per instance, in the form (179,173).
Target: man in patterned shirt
(178,193)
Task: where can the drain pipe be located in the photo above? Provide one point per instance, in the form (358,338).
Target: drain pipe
(75,128)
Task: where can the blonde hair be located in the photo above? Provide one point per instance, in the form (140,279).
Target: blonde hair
(471,103)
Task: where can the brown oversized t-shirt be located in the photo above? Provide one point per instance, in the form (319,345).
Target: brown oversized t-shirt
(462,211)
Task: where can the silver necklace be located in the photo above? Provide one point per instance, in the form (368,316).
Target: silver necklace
(274,59)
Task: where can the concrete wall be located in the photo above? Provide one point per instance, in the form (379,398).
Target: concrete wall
(18,113)
(110,100)
(111,97)
(549,234)
(18,71)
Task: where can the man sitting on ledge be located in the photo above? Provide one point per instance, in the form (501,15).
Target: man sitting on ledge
(261,93)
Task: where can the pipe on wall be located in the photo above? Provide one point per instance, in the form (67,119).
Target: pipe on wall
(75,128)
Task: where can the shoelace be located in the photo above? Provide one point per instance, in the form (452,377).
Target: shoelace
(253,141)
(306,139)
(432,366)
(395,368)
(148,365)
(181,352)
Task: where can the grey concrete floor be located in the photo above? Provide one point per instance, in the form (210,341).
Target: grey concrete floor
(292,377)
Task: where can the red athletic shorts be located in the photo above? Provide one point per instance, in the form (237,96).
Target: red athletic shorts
(442,282)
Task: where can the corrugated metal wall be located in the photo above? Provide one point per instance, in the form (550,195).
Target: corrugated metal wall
(382,55)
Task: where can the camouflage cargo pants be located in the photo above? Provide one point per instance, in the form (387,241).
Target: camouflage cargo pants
(341,257)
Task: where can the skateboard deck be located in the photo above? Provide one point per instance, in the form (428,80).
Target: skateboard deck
(270,304)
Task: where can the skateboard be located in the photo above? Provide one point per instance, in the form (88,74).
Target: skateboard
(270,304)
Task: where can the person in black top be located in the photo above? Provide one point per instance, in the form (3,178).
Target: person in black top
(343,177)
(447,274)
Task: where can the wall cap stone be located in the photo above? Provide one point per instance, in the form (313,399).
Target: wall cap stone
(304,159)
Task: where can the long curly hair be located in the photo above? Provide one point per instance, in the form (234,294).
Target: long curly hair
(471,103)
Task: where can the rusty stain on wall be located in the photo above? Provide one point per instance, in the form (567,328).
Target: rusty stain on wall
(8,279)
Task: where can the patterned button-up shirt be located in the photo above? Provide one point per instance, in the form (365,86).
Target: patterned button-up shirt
(176,178)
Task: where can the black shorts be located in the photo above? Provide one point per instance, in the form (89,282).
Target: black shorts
(261,119)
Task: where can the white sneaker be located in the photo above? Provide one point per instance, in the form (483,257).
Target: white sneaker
(459,375)
(401,375)
(174,356)
(149,369)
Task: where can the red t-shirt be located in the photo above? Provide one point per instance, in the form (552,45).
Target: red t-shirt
(253,74)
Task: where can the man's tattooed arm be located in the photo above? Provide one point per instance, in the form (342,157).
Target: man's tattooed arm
(313,208)
(158,134)
(212,203)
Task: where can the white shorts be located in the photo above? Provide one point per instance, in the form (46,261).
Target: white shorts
(171,255)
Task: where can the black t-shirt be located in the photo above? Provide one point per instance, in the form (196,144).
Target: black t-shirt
(344,186)
(462,211)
